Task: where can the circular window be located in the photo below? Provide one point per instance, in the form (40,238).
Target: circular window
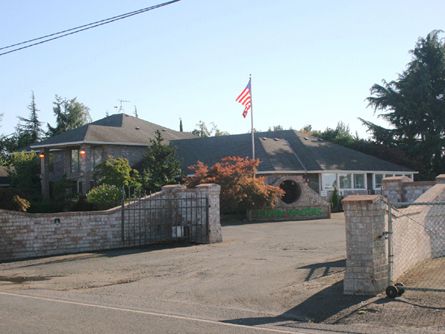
(292,191)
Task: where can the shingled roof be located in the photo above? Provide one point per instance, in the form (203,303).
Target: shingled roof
(117,129)
(281,151)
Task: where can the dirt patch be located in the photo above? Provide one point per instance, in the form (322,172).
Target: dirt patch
(420,309)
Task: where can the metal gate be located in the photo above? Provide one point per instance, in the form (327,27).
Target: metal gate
(416,252)
(156,219)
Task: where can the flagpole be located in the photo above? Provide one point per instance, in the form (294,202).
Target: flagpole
(251,118)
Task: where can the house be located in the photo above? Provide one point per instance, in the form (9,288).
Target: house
(306,168)
(74,154)
(5,180)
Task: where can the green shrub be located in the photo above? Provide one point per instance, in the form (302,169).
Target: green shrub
(104,196)
(80,204)
(117,172)
(25,174)
(336,201)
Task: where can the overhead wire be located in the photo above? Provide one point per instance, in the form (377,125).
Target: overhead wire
(75,30)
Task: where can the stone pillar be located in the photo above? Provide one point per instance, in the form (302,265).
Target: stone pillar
(393,188)
(213,191)
(366,255)
(44,173)
(440,178)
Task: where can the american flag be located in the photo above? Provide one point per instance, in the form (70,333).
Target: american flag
(245,99)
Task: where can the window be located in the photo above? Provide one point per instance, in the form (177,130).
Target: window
(359,181)
(97,156)
(345,181)
(75,161)
(51,162)
(378,181)
(328,181)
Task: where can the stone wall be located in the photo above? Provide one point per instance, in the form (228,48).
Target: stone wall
(24,235)
(402,189)
(308,206)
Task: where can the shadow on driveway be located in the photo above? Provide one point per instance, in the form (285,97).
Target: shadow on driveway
(321,306)
(317,308)
(56,259)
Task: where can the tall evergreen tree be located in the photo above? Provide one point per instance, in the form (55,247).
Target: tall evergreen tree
(70,114)
(414,105)
(160,165)
(180,125)
(29,129)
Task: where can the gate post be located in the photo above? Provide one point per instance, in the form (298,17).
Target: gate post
(366,256)
(213,214)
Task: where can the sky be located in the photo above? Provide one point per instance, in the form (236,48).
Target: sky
(312,62)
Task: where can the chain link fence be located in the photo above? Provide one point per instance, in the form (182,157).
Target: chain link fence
(416,259)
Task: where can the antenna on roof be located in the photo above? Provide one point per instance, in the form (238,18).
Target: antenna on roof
(120,109)
(136,112)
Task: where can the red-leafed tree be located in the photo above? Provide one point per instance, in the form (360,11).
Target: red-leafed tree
(240,190)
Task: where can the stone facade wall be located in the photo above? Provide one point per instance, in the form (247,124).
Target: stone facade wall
(60,161)
(308,206)
(24,235)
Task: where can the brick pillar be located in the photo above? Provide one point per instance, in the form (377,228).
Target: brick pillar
(393,188)
(366,256)
(213,191)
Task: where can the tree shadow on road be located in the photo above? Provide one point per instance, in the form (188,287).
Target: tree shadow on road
(323,269)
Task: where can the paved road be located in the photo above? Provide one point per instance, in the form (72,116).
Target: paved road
(31,314)
(258,275)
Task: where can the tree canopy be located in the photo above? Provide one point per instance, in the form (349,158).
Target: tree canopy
(414,106)
(70,114)
(203,130)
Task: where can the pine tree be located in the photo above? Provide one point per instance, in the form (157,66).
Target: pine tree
(160,165)
(180,125)
(414,105)
(29,129)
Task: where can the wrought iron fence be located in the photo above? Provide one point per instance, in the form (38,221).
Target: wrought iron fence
(164,218)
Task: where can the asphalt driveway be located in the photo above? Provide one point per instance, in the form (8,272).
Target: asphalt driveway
(285,275)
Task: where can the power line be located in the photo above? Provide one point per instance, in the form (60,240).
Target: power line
(78,29)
